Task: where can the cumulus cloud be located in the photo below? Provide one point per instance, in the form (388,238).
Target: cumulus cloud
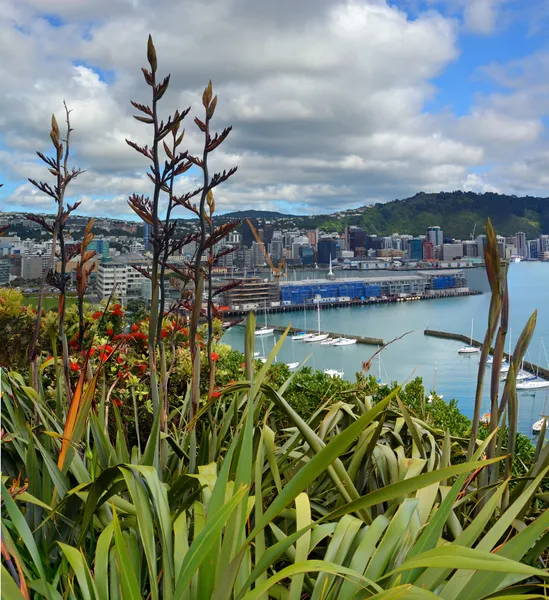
(326,97)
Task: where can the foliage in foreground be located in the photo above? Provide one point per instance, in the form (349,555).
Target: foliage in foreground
(361,501)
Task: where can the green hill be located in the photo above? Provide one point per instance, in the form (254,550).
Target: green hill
(456,212)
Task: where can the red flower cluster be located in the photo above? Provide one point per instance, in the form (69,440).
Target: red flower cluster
(105,353)
(97,315)
(164,333)
(109,331)
(214,356)
(116,402)
(134,328)
(74,366)
(117,310)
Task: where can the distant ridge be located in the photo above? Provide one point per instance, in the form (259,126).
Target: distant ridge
(458,213)
(254,214)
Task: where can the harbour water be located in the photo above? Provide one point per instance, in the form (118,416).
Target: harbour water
(417,355)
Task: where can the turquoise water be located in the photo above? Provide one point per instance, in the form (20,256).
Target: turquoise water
(416,354)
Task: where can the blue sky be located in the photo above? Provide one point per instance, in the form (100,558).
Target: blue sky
(334,104)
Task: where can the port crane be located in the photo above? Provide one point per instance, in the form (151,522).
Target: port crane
(276,271)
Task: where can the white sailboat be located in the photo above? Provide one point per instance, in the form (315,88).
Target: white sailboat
(536,427)
(320,336)
(329,342)
(469,349)
(292,365)
(534,383)
(265,330)
(345,342)
(434,394)
(334,373)
(301,335)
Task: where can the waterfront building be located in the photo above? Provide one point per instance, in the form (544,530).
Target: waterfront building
(437,282)
(533,249)
(470,248)
(452,251)
(435,235)
(252,293)
(326,249)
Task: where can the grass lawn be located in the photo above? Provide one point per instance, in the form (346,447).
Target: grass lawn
(49,301)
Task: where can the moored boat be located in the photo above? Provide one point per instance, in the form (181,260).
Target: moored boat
(346,342)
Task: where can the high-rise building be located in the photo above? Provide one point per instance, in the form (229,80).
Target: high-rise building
(357,238)
(428,249)
(415,249)
(522,248)
(276,249)
(147,230)
(5,270)
(533,249)
(268,231)
(435,235)
(102,247)
(373,242)
(258,255)
(247,235)
(307,255)
(326,248)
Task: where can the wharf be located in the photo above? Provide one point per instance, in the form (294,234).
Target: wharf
(359,340)
(458,337)
(356,302)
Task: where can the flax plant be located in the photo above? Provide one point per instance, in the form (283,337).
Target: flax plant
(63,175)
(167,163)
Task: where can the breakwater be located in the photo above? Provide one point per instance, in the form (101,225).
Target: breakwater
(459,337)
(356,302)
(359,340)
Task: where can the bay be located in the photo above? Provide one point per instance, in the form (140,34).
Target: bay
(417,355)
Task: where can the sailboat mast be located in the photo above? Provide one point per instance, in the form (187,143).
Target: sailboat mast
(318,313)
(471,343)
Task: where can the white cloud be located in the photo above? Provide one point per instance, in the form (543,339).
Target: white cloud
(326,98)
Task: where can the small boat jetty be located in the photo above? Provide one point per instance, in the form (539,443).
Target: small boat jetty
(359,340)
(458,337)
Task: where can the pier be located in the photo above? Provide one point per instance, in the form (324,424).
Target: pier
(359,340)
(282,308)
(465,339)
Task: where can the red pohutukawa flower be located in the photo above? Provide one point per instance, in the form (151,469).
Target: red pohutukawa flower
(134,328)
(97,315)
(164,333)
(119,360)
(216,394)
(109,331)
(116,402)
(74,366)
(214,356)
